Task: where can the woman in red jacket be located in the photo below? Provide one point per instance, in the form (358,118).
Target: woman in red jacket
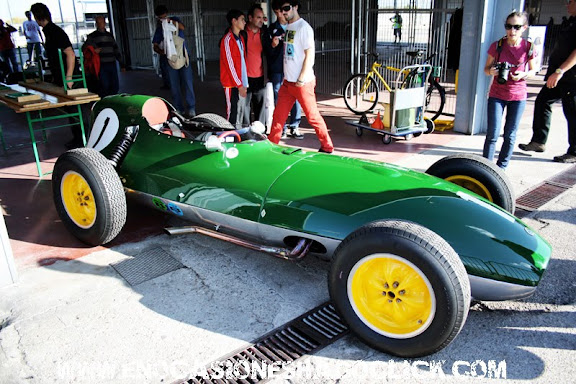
(233,74)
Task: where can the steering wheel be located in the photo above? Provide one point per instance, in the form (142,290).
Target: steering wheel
(230,133)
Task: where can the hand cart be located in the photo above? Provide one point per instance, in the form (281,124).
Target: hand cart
(404,115)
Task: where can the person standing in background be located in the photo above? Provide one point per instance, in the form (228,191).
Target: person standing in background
(233,71)
(510,92)
(273,43)
(181,80)
(560,85)
(33,37)
(7,46)
(105,46)
(299,80)
(57,40)
(397,26)
(255,66)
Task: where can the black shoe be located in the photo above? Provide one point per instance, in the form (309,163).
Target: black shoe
(324,151)
(566,158)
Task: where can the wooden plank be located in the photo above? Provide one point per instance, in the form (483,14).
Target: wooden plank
(76,91)
(59,91)
(22,97)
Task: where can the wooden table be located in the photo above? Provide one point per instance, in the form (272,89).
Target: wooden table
(47,96)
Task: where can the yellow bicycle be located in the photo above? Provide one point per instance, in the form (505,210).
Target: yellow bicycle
(362,90)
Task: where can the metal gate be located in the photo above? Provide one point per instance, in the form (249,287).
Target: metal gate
(425,26)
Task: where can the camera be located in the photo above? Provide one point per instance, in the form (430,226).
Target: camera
(503,71)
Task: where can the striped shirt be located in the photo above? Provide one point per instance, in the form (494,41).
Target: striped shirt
(104,40)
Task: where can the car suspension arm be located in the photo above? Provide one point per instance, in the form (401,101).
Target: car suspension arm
(297,253)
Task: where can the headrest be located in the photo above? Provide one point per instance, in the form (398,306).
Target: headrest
(155,111)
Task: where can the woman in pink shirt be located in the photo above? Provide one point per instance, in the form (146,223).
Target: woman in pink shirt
(510,61)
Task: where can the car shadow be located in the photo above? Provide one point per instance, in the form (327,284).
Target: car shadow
(238,294)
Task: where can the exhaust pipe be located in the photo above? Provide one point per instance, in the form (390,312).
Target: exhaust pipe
(297,253)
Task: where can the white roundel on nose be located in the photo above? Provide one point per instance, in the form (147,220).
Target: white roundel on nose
(104,129)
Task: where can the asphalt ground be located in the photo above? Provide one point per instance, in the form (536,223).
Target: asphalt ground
(79,321)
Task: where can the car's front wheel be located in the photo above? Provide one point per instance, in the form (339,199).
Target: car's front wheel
(400,287)
(89,196)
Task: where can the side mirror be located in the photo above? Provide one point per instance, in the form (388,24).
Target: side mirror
(213,144)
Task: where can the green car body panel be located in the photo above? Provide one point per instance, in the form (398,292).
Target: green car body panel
(322,195)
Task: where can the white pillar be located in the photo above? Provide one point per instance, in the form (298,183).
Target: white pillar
(483,23)
(8,273)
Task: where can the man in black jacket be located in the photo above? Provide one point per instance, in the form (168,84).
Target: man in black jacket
(560,85)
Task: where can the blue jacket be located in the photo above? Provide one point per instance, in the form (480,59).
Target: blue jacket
(274,56)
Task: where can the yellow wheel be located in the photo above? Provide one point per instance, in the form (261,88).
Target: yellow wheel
(400,287)
(391,295)
(471,184)
(478,175)
(78,199)
(89,196)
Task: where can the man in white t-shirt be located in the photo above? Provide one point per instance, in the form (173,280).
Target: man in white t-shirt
(33,36)
(299,80)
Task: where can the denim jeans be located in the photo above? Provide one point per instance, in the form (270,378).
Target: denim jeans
(109,83)
(296,111)
(514,110)
(181,82)
(9,57)
(543,114)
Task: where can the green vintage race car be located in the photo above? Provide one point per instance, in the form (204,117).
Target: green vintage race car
(409,250)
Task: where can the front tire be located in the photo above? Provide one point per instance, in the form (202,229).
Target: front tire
(400,288)
(477,174)
(89,196)
(361,94)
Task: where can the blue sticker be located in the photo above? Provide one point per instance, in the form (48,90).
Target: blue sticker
(175,209)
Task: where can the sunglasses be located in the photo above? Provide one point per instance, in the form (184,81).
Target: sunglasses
(286,8)
(510,26)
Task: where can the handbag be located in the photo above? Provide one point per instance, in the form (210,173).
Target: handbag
(180,59)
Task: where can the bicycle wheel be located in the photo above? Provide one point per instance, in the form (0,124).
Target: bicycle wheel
(435,99)
(361,93)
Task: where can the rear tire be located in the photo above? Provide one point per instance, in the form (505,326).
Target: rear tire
(477,174)
(89,196)
(213,121)
(359,101)
(400,287)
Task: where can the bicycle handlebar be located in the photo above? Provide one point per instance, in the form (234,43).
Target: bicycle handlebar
(414,54)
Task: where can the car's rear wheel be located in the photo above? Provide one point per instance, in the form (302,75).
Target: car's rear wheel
(478,175)
(400,287)
(213,120)
(89,196)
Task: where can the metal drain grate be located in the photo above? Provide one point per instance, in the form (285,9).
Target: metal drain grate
(539,196)
(566,178)
(304,335)
(147,265)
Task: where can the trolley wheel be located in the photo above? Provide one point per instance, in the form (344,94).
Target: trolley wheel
(417,134)
(429,125)
(409,137)
(386,139)
(359,131)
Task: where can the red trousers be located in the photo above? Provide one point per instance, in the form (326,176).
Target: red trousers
(287,95)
